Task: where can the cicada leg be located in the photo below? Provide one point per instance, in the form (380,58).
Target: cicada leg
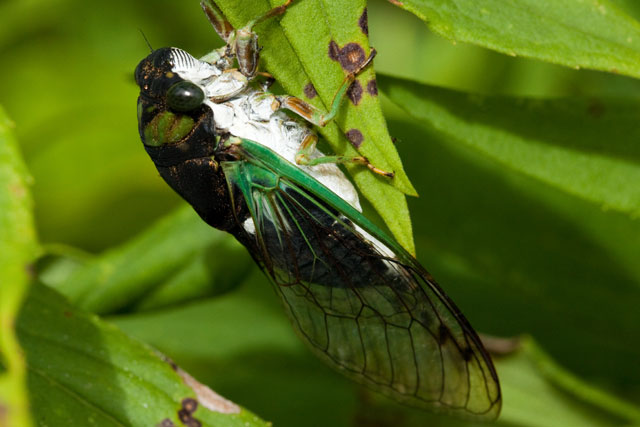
(246,43)
(308,146)
(220,23)
(315,115)
(241,43)
(222,57)
(320,118)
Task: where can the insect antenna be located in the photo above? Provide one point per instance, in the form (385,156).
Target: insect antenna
(146,39)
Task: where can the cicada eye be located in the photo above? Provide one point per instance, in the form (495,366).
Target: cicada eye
(184,96)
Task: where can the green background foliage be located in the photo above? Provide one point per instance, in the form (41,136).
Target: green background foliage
(528,215)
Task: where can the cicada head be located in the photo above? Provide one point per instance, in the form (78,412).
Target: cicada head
(169,106)
(178,131)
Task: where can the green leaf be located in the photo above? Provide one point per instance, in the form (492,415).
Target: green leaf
(246,335)
(175,260)
(95,185)
(18,248)
(544,394)
(518,255)
(209,273)
(584,147)
(263,350)
(588,393)
(630,6)
(554,264)
(296,52)
(575,33)
(82,371)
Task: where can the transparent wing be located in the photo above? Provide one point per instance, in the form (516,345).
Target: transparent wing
(364,306)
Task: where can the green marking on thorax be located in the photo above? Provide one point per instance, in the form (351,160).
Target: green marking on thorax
(167,128)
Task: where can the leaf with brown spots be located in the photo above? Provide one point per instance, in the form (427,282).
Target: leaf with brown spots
(84,369)
(319,42)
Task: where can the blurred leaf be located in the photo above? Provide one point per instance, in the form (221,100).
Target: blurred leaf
(576,33)
(297,54)
(177,259)
(563,379)
(83,371)
(519,256)
(94,185)
(584,147)
(544,394)
(18,248)
(418,54)
(246,333)
(218,268)
(630,6)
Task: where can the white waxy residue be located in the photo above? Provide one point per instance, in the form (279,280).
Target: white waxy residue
(249,113)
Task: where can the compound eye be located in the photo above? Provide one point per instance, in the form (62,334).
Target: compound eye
(184,96)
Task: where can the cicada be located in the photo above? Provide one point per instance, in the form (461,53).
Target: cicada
(360,302)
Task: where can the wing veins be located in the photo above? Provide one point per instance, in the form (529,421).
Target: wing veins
(407,295)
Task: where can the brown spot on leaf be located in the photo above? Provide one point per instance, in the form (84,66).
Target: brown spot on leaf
(372,87)
(207,397)
(396,2)
(355,92)
(351,56)
(166,423)
(310,91)
(355,137)
(171,363)
(184,415)
(189,404)
(187,419)
(334,50)
(363,22)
